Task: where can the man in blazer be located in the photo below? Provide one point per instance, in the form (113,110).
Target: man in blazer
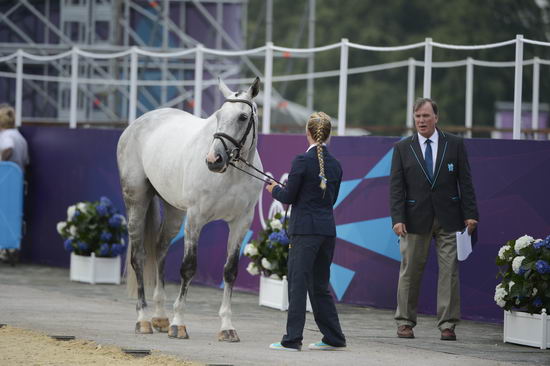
(431,196)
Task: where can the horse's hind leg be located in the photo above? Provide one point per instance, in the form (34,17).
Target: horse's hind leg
(193,227)
(137,200)
(237,231)
(171,224)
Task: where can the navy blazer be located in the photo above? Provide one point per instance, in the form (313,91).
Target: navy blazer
(311,206)
(416,199)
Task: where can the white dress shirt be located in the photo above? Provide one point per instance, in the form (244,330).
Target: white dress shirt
(435,139)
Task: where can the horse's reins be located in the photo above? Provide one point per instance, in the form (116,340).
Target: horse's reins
(235,153)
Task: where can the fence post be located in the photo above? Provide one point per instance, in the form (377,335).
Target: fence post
(535,103)
(268,73)
(411,80)
(518,81)
(343,87)
(427,68)
(199,62)
(133,85)
(74,88)
(19,88)
(469,96)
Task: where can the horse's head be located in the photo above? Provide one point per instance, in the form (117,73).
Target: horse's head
(236,127)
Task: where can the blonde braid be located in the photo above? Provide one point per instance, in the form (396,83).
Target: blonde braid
(319,127)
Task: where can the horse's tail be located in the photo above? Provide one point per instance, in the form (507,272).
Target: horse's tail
(150,238)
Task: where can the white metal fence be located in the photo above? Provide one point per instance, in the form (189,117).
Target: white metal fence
(267,51)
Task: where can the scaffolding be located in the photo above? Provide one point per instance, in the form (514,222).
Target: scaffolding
(49,27)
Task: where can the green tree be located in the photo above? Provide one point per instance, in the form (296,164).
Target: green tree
(379,98)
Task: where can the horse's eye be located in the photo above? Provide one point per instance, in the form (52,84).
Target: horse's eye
(243,117)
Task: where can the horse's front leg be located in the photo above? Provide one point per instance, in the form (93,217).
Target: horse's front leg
(237,231)
(170,227)
(188,268)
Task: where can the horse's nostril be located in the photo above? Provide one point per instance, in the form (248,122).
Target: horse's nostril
(218,159)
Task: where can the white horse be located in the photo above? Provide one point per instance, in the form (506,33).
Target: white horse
(170,157)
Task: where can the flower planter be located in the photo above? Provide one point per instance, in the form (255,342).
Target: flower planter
(524,328)
(274,294)
(94,269)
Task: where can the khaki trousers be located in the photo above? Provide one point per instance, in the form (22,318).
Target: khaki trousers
(414,250)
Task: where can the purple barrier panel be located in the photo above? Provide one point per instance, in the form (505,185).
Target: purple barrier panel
(510,177)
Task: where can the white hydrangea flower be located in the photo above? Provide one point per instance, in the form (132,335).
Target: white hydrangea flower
(276,224)
(500,293)
(82,207)
(523,242)
(501,251)
(61,226)
(267,264)
(250,250)
(72,230)
(516,263)
(510,285)
(253,269)
(70,212)
(535,291)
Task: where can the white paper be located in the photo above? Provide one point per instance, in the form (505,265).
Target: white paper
(463,244)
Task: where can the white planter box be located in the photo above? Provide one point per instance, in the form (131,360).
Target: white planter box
(524,328)
(274,294)
(94,269)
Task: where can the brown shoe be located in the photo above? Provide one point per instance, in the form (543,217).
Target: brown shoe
(448,335)
(405,331)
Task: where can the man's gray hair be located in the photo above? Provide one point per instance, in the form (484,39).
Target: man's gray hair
(421,101)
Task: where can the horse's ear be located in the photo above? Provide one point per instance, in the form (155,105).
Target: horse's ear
(224,89)
(254,88)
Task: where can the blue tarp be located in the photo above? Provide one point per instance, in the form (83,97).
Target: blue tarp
(11,205)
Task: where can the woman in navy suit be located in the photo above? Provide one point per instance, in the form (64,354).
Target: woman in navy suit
(312,188)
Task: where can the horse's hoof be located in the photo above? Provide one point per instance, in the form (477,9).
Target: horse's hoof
(178,331)
(228,336)
(144,327)
(161,324)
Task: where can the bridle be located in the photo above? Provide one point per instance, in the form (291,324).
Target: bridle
(234,154)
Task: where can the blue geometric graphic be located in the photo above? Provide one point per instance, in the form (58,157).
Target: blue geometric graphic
(340,278)
(246,239)
(382,168)
(375,235)
(346,188)
(181,233)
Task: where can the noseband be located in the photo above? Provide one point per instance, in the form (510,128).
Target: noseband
(235,153)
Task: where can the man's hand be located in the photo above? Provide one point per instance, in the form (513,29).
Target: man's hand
(270,186)
(471,224)
(400,229)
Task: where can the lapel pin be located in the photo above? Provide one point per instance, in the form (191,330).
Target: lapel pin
(451,167)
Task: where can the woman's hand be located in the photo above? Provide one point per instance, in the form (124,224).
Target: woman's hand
(270,186)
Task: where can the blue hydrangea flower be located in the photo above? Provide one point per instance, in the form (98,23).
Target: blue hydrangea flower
(279,236)
(539,244)
(547,242)
(76,213)
(116,220)
(542,266)
(102,210)
(522,270)
(104,249)
(68,245)
(83,246)
(117,249)
(105,236)
(537,302)
(104,201)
